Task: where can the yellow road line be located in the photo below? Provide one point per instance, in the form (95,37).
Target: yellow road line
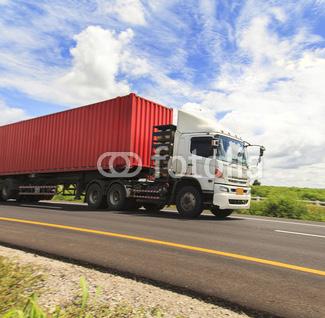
(171,244)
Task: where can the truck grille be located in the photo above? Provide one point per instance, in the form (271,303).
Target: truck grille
(237,180)
(243,202)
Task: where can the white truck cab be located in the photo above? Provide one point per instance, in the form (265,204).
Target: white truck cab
(215,158)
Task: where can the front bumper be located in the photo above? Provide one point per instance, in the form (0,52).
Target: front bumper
(231,200)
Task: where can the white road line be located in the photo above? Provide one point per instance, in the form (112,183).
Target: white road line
(276,221)
(239,217)
(298,233)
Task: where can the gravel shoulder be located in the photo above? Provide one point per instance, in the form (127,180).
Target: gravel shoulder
(62,283)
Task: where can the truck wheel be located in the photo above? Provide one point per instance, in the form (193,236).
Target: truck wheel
(95,196)
(220,214)
(8,190)
(116,197)
(189,202)
(153,207)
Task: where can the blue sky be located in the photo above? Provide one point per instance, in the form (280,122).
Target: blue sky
(256,66)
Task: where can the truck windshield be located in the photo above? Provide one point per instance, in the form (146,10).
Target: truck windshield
(231,150)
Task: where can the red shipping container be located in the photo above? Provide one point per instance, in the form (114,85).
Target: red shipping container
(74,139)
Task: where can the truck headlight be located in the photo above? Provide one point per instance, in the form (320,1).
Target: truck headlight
(223,189)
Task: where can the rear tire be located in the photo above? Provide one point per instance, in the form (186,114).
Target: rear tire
(116,197)
(189,202)
(153,207)
(9,190)
(95,197)
(220,214)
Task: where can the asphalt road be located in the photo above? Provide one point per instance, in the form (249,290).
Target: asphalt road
(270,265)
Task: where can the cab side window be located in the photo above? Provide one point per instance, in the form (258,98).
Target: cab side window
(201,146)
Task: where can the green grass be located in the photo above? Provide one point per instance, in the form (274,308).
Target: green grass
(284,203)
(69,198)
(18,285)
(301,193)
(60,197)
(315,213)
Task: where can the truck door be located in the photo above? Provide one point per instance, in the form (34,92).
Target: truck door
(202,161)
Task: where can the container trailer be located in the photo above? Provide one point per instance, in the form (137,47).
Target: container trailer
(124,154)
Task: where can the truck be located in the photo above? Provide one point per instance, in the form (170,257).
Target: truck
(126,154)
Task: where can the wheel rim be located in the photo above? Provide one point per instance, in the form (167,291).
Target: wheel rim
(188,201)
(115,197)
(94,196)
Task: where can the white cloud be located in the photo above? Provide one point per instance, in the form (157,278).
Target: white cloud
(279,14)
(304,176)
(10,114)
(52,76)
(129,11)
(102,62)
(97,59)
(277,100)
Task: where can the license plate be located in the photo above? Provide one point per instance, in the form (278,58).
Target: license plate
(239,191)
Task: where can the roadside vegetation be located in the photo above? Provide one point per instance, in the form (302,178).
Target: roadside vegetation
(60,197)
(17,283)
(285,202)
(19,286)
(70,198)
(308,194)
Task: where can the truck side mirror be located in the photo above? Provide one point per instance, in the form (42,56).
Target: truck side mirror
(262,149)
(215,143)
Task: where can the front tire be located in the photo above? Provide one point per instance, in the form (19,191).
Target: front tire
(189,202)
(220,214)
(95,197)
